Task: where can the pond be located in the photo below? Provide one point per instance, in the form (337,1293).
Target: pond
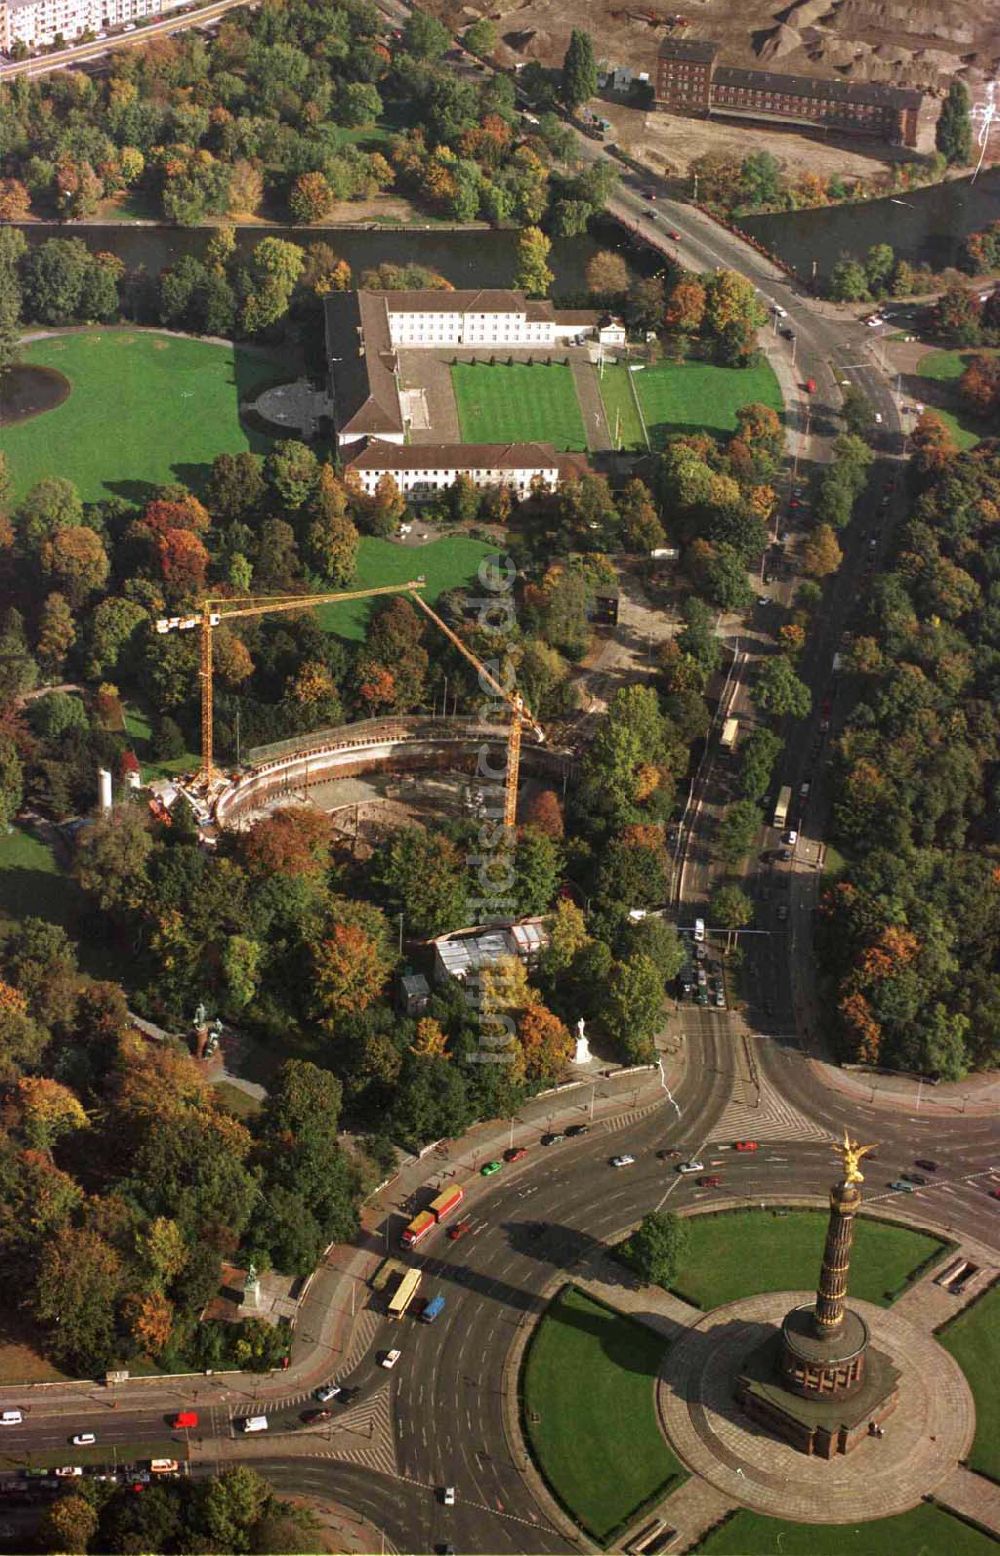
(27,391)
(476,258)
(924,226)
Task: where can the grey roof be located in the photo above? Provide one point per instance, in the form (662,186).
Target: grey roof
(822,87)
(700,50)
(484,299)
(454,456)
(414,985)
(362,363)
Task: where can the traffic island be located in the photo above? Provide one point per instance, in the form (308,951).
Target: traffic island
(588,1390)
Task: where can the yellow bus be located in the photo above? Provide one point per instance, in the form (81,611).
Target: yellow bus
(404,1293)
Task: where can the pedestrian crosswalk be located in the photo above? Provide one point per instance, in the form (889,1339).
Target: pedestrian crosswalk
(626,1120)
(761,1114)
(362,1435)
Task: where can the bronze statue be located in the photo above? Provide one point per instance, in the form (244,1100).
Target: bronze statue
(852,1153)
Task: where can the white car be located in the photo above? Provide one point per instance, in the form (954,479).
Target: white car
(84,1440)
(448,1496)
(699,930)
(11,1418)
(778,311)
(804,789)
(690,1166)
(390,1359)
(874,320)
(326,1393)
(791,837)
(623,1161)
(69,1470)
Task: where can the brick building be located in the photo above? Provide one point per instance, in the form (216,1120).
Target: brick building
(689,80)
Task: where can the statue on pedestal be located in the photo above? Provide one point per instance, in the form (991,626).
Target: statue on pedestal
(251,1286)
(582,1055)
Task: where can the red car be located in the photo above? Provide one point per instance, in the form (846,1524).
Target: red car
(186,1418)
(995,1193)
(515,1153)
(674,237)
(711,1181)
(745,1145)
(459,1230)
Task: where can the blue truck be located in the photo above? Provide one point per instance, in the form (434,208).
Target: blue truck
(433,1308)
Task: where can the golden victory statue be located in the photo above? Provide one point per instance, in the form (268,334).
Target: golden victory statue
(852,1153)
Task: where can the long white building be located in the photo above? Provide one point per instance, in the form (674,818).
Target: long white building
(422,470)
(37,23)
(365,330)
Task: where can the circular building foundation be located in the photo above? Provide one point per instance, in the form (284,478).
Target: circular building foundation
(929,1431)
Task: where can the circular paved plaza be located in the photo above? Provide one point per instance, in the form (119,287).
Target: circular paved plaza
(930,1430)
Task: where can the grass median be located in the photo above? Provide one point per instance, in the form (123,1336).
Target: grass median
(923,1530)
(973,1338)
(741,1253)
(590,1413)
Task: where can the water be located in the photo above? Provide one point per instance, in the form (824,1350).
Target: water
(926,226)
(480,258)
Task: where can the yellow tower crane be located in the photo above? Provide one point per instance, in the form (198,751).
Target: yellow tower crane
(224,608)
(520,713)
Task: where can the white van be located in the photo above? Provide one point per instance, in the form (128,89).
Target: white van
(11,1418)
(255,1424)
(699,930)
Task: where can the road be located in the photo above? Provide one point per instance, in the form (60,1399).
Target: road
(86,53)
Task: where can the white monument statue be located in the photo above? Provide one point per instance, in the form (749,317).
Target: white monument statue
(582,1055)
(251,1287)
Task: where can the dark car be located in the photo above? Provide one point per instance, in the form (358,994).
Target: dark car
(787,333)
(310,1417)
(922,1161)
(553,1137)
(577,1129)
(915,1177)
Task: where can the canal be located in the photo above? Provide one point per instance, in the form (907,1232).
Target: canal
(924,226)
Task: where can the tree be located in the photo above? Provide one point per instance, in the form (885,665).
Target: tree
(15,202)
(733,316)
(293,471)
(423,36)
(760,752)
(546,1045)
(295,841)
(481,37)
(537,864)
(232,1504)
(656,1249)
(644,304)
(75,1297)
(76,561)
(113,628)
(183,565)
(311,198)
(56,634)
(685,309)
(606,274)
(111,859)
(543,812)
(51,505)
(780,692)
(848,280)
(67,1525)
(236,485)
(533,274)
(737,830)
(731,908)
(632,1010)
(760,178)
(579,71)
(857,412)
(821,554)
(421,875)
(351,968)
(266,283)
(953,135)
(11,779)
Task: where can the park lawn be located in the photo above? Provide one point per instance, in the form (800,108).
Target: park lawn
(445,564)
(620,407)
(146,408)
(590,1413)
(974,1341)
(140,731)
(743,1252)
(698,396)
(518,403)
(946,367)
(31,883)
(925,1530)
